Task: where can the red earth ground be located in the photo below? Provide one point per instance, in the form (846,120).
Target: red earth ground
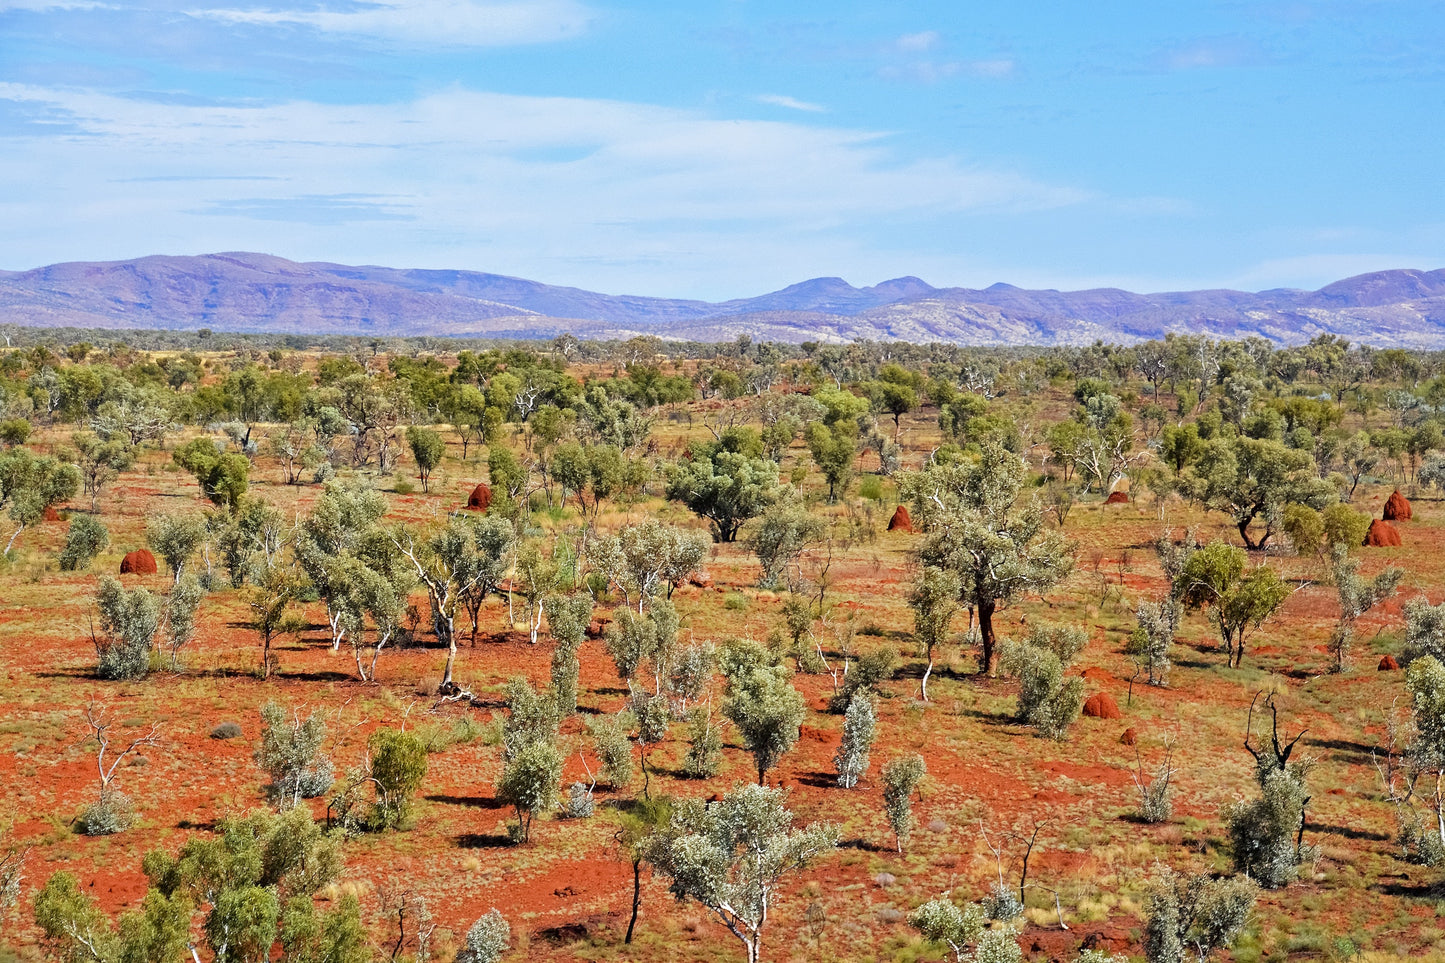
(567,892)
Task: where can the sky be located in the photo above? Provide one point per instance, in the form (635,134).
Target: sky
(723,148)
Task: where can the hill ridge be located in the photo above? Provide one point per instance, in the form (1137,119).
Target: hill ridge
(249,291)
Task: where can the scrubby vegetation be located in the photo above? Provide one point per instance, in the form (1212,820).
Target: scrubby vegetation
(319,647)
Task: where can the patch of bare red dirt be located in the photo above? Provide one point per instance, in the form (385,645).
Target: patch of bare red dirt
(1101,705)
(1382,535)
(1397,508)
(481,498)
(139,562)
(901,520)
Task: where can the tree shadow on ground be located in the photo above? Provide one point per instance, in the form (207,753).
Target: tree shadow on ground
(484,841)
(1348,832)
(819,780)
(1400,885)
(1341,745)
(322,675)
(475,802)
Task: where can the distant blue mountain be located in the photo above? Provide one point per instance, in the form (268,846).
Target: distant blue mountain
(259,292)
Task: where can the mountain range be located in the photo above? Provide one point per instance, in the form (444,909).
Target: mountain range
(260,292)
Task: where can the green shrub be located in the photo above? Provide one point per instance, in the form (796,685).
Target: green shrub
(610,742)
(85,539)
(704,749)
(128,623)
(487,940)
(866,674)
(529,784)
(112,813)
(14,431)
(859,725)
(290,751)
(398,766)
(900,778)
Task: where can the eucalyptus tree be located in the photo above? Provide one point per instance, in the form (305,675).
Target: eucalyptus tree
(451,563)
(1253,479)
(1357,596)
(328,538)
(733,856)
(984,529)
(727,488)
(30,484)
(100,462)
(934,600)
(766,710)
(1239,599)
(781,536)
(646,560)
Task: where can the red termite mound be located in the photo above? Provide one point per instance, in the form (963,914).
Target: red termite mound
(1117,498)
(901,520)
(481,498)
(1388,664)
(51,514)
(1102,706)
(139,562)
(1397,508)
(1382,535)
(1130,737)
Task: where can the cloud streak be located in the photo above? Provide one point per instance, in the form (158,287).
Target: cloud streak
(791,103)
(468,23)
(45,6)
(497,180)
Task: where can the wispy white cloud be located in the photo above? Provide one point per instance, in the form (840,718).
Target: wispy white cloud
(481,179)
(933,71)
(479,23)
(40,6)
(1210,52)
(917,42)
(922,58)
(792,103)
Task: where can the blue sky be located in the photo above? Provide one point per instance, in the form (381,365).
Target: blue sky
(722,149)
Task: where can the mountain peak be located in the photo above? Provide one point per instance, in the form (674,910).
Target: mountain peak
(896,289)
(819,285)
